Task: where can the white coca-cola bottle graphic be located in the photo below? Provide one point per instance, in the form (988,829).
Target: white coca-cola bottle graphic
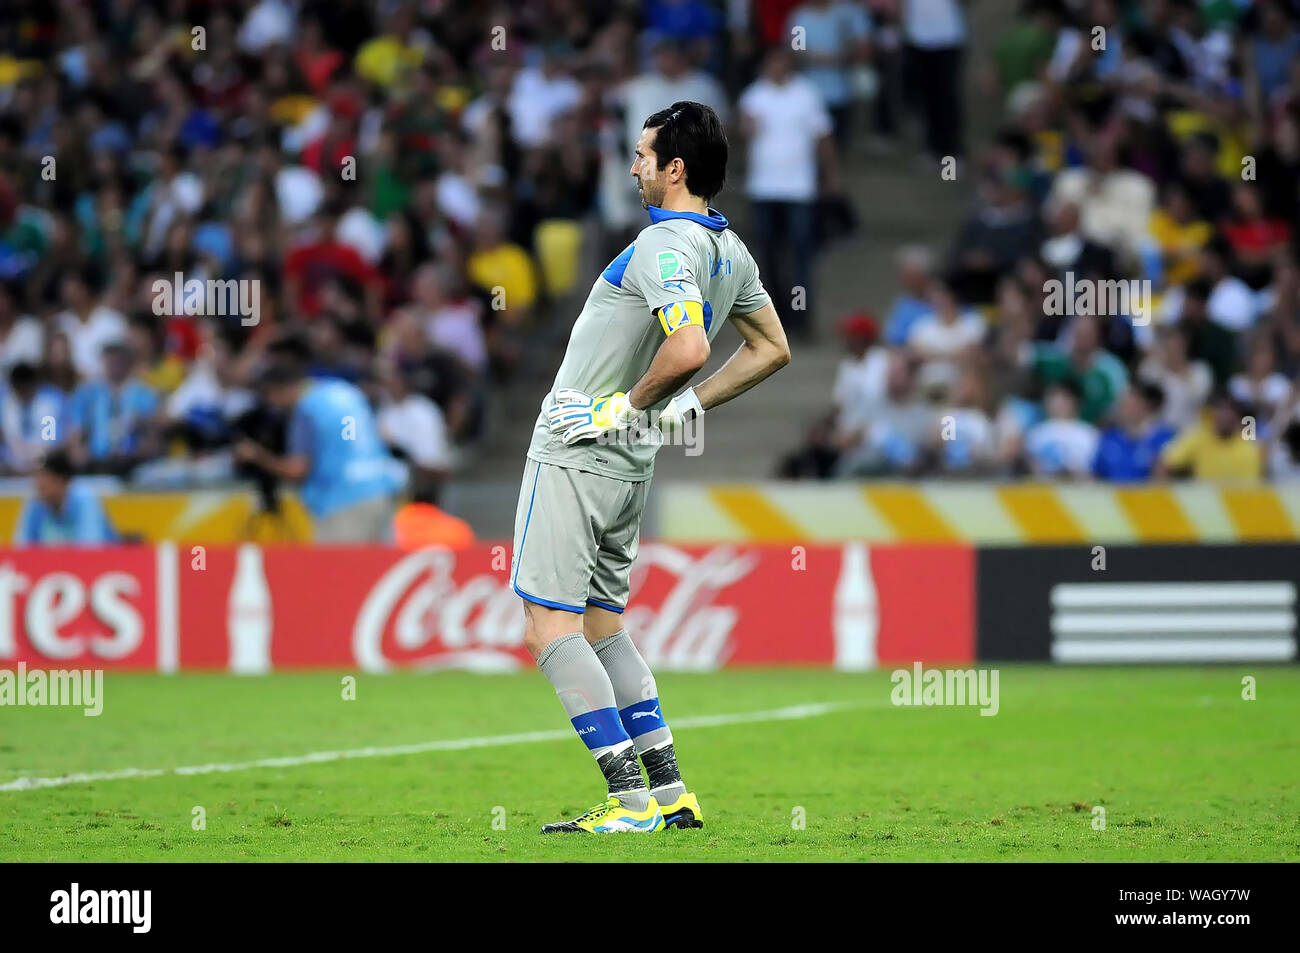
(856,611)
(248,614)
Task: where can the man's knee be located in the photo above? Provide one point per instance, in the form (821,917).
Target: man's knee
(543,625)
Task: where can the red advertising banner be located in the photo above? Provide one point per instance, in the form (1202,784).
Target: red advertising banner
(254,609)
(79,608)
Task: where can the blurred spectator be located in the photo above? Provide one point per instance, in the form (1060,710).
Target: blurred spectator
(836,38)
(939,338)
(1275,51)
(111,418)
(891,436)
(1096,375)
(1258,385)
(965,438)
(1217,449)
(913,264)
(671,80)
(22,339)
(788,129)
(501,269)
(420,524)
(89,327)
(1003,228)
(32,420)
(1129,450)
(413,427)
(540,95)
(1063,445)
(1185,384)
(62,512)
(935,34)
(203,409)
(1114,203)
(334,452)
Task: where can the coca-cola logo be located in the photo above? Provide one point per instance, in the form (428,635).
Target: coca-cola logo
(418,614)
(64,617)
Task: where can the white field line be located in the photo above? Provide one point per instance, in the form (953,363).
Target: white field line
(790,713)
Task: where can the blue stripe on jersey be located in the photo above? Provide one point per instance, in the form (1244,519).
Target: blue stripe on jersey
(708,317)
(600,728)
(642,717)
(613,272)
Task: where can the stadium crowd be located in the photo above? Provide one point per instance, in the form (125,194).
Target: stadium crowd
(200,200)
(1154,143)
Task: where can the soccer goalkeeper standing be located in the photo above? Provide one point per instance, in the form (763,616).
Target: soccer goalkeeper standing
(643,333)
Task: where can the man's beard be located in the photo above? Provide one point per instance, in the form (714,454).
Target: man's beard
(647,198)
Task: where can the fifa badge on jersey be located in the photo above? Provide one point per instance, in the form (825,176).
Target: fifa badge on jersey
(669,265)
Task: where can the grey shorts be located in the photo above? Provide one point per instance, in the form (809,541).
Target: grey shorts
(576,536)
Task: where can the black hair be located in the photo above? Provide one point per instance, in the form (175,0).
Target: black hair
(281,373)
(1153,395)
(693,133)
(58,463)
(23,375)
(1070,386)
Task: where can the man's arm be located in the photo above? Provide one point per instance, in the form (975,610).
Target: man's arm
(763,352)
(681,354)
(293,467)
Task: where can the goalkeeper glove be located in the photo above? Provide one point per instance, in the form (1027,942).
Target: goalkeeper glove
(578,416)
(682,408)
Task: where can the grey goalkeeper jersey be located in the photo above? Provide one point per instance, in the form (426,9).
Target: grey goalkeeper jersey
(679,257)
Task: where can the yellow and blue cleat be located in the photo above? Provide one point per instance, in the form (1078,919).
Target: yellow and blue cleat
(611,818)
(684,812)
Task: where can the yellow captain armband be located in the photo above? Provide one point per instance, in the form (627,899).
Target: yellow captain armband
(679,314)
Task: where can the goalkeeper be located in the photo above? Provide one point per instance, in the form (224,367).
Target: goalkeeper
(642,334)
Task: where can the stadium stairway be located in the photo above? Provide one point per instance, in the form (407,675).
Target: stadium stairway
(898,198)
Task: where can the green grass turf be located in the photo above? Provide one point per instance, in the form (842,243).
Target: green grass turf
(1185,769)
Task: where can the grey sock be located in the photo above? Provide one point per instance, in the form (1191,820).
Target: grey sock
(638,702)
(585,691)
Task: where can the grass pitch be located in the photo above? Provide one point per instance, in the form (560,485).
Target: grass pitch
(1184,767)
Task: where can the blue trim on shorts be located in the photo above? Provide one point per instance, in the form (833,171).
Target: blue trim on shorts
(519,558)
(548,603)
(604,605)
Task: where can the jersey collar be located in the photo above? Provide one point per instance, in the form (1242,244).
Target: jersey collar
(714,220)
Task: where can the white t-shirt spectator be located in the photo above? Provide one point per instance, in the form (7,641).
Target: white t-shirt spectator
(940,344)
(859,386)
(536,100)
(1114,208)
(1232,304)
(415,425)
(23,343)
(1058,447)
(789,120)
(1185,393)
(934,24)
(87,340)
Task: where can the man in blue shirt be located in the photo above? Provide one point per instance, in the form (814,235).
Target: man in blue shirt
(347,478)
(61,513)
(112,418)
(1127,452)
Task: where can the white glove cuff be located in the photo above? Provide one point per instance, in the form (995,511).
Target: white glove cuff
(688,405)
